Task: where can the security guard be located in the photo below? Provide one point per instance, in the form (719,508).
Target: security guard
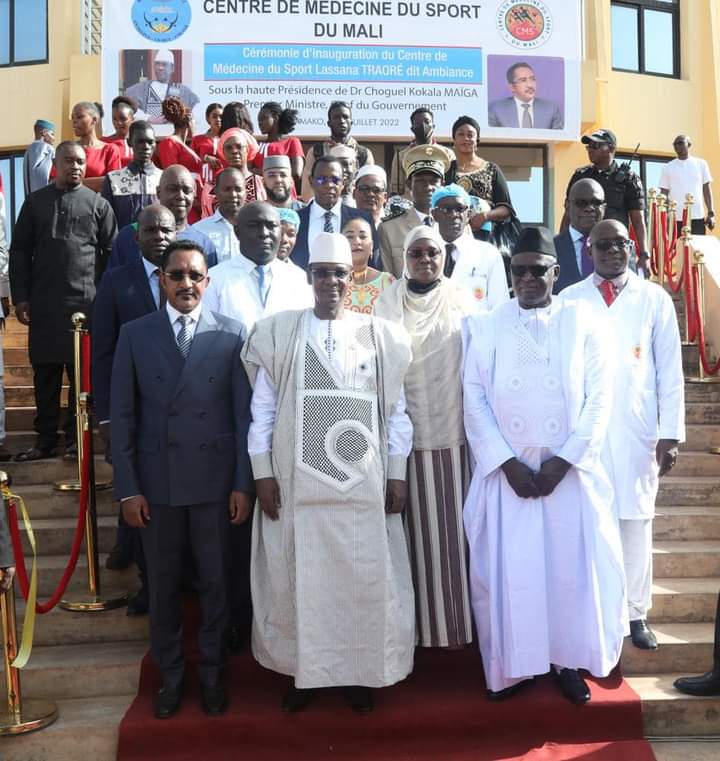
(424,167)
(624,194)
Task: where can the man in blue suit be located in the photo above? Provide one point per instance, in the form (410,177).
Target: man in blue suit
(326,212)
(126,293)
(585,206)
(522,109)
(180,408)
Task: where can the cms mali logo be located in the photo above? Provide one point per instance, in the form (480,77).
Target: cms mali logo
(161,20)
(524,25)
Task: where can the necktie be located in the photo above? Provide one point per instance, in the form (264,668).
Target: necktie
(526,119)
(184,339)
(449,261)
(608,291)
(428,221)
(586,263)
(328,228)
(263,285)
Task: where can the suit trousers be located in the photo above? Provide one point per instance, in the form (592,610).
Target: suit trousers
(240,601)
(48,385)
(205,528)
(636,538)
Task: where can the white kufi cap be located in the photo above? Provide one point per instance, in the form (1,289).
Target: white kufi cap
(374,171)
(164,56)
(330,248)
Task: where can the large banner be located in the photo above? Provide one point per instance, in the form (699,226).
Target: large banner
(514,66)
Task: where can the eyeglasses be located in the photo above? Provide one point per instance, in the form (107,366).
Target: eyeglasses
(430,253)
(323,273)
(606,245)
(327,180)
(536,270)
(584,203)
(454,210)
(178,276)
(369,189)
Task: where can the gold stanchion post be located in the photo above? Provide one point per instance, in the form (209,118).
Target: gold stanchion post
(17,715)
(662,205)
(652,232)
(686,242)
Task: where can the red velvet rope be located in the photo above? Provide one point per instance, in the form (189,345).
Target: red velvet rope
(85,361)
(21,571)
(653,249)
(707,367)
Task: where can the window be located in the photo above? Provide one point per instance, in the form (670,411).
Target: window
(649,168)
(645,37)
(11,169)
(23,32)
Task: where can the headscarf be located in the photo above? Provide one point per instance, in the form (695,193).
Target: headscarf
(433,387)
(290,216)
(246,139)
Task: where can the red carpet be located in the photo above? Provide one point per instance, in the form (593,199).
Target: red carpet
(440,713)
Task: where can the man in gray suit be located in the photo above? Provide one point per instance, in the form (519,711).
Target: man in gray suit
(180,406)
(522,109)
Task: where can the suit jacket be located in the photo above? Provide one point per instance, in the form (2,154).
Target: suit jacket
(546,114)
(301,253)
(569,272)
(392,234)
(124,295)
(180,426)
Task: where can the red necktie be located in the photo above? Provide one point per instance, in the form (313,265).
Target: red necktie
(608,291)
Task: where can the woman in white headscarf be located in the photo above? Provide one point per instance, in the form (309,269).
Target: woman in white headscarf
(431,308)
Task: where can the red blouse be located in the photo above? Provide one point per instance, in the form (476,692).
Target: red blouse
(290,146)
(171,151)
(100,161)
(126,154)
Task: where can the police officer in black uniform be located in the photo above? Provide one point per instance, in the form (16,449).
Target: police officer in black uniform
(624,194)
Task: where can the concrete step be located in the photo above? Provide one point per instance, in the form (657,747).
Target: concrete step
(51,470)
(690,359)
(16,356)
(684,490)
(112,583)
(87,728)
(701,437)
(62,627)
(700,749)
(83,671)
(702,413)
(688,600)
(54,536)
(702,392)
(17,375)
(14,339)
(689,645)
(17,441)
(21,418)
(13,326)
(668,713)
(687,522)
(694,463)
(24,396)
(686,559)
(45,502)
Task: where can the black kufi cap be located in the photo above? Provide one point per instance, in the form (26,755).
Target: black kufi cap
(535,240)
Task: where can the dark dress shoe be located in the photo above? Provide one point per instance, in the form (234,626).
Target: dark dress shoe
(642,635)
(360,699)
(119,558)
(71,453)
(572,686)
(703,686)
(5,454)
(138,604)
(498,695)
(295,700)
(214,699)
(167,701)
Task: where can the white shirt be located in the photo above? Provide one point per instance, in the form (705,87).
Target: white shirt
(479,270)
(424,217)
(316,224)
(222,234)
(234,290)
(153,275)
(686,176)
(521,111)
(264,398)
(577,239)
(194,316)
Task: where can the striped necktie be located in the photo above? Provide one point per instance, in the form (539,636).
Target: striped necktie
(184,339)
(526,118)
(328,228)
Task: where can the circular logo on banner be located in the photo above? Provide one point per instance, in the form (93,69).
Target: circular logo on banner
(524,25)
(161,20)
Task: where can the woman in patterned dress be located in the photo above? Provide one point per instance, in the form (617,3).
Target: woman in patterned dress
(367,283)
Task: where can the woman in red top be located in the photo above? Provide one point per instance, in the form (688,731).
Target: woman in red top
(277,123)
(173,148)
(102,158)
(123,115)
(206,145)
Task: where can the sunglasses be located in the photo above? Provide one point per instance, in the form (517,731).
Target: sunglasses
(536,270)
(606,245)
(584,203)
(178,276)
(328,180)
(323,273)
(454,210)
(369,189)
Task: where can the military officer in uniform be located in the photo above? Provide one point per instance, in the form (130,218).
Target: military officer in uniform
(424,167)
(624,194)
